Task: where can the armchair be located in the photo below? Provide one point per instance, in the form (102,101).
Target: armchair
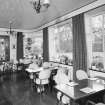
(80,74)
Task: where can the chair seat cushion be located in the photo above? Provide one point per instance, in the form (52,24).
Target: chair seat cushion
(38,81)
(100,104)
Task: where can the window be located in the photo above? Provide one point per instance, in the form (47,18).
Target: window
(96,42)
(61,42)
(33,44)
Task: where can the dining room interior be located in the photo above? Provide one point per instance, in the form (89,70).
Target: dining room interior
(52,52)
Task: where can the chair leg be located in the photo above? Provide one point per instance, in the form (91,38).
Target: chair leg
(40,89)
(45,88)
(40,92)
(90,102)
(57,102)
(104,98)
(49,87)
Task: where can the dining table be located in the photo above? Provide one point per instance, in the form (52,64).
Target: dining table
(36,70)
(33,72)
(82,90)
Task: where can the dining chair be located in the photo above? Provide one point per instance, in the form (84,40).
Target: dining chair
(81,74)
(15,65)
(1,72)
(61,78)
(1,67)
(93,103)
(42,80)
(20,65)
(46,65)
(21,60)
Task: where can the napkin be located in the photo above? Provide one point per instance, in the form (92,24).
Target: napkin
(87,90)
(93,78)
(72,83)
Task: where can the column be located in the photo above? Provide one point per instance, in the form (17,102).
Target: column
(45,45)
(19,45)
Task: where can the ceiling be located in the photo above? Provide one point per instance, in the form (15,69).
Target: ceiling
(23,16)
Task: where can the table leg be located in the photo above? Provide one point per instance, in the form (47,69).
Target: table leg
(72,102)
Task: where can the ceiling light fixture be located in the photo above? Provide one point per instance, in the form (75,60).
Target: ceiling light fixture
(10,28)
(39,4)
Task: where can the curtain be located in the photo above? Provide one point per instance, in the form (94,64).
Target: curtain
(19,45)
(45,45)
(79,44)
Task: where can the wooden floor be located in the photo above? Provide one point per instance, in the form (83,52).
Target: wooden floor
(15,90)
